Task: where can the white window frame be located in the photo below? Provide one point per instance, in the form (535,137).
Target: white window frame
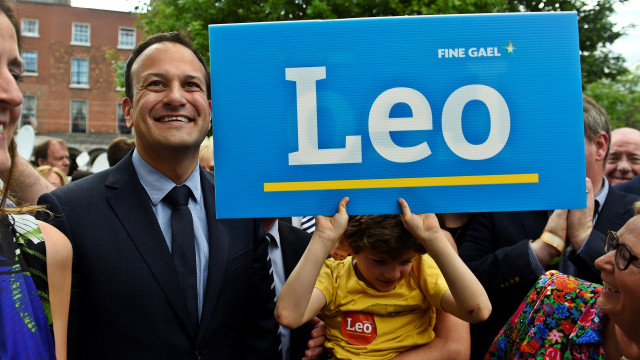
(73,34)
(122,30)
(26,71)
(30,28)
(86,123)
(25,105)
(71,72)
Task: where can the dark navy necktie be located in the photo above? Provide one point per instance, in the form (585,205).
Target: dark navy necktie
(183,246)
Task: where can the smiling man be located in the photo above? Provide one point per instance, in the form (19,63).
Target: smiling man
(623,162)
(153,279)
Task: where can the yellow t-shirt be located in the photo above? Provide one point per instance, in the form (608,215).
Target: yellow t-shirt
(363,323)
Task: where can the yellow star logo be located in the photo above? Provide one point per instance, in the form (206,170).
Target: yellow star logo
(509,48)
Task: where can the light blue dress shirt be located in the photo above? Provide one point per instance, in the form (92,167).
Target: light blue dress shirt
(157,186)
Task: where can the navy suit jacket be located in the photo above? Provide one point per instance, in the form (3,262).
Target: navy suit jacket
(496,249)
(631,187)
(127,301)
(293,243)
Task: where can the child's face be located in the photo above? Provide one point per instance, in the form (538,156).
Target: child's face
(378,271)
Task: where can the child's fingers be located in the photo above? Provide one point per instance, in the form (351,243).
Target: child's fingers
(342,206)
(404,206)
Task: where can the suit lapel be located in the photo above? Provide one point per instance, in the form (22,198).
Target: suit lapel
(293,246)
(143,229)
(612,216)
(288,250)
(217,252)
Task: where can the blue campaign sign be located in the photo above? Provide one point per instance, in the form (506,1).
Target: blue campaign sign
(454,113)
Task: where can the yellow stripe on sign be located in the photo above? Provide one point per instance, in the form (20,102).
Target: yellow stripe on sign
(401,182)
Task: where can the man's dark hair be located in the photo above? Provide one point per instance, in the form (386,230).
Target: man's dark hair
(596,120)
(118,149)
(41,151)
(174,36)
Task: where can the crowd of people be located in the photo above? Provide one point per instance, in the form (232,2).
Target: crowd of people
(131,261)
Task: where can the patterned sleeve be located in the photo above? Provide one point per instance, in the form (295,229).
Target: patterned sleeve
(558,316)
(30,242)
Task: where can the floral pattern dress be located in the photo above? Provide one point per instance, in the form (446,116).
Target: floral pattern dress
(559,319)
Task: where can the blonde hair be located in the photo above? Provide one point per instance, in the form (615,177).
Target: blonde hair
(206,148)
(47,169)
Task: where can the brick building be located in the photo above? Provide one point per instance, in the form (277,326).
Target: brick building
(69,83)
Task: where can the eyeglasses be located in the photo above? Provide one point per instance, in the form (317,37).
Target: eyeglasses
(624,256)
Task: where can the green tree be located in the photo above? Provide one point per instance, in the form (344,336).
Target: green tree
(621,98)
(596,33)
(195,15)
(594,24)
(117,65)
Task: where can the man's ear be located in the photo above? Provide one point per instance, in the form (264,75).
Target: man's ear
(210,115)
(602,145)
(40,162)
(127,106)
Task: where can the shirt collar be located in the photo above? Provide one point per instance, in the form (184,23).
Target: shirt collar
(601,196)
(157,184)
(274,232)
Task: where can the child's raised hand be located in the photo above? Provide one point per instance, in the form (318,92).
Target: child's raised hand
(424,227)
(330,229)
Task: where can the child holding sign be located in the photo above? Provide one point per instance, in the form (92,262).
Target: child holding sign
(382,301)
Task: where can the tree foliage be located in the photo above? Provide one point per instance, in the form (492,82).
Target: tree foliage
(621,98)
(594,24)
(596,33)
(117,65)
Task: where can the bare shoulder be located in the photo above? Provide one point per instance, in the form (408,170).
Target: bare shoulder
(58,246)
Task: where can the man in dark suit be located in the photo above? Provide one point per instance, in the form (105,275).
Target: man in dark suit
(289,244)
(630,187)
(129,298)
(508,251)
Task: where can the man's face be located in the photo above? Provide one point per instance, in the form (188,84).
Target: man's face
(58,156)
(623,162)
(170,110)
(595,152)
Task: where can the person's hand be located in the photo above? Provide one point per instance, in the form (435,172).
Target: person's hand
(580,221)
(330,229)
(557,224)
(552,242)
(315,346)
(424,227)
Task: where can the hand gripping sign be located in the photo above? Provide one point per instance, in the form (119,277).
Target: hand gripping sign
(456,113)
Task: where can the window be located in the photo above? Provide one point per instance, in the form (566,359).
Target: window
(79,117)
(29,28)
(79,72)
(29,109)
(81,34)
(30,59)
(126,38)
(121,122)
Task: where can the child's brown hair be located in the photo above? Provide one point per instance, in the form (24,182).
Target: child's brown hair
(380,233)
